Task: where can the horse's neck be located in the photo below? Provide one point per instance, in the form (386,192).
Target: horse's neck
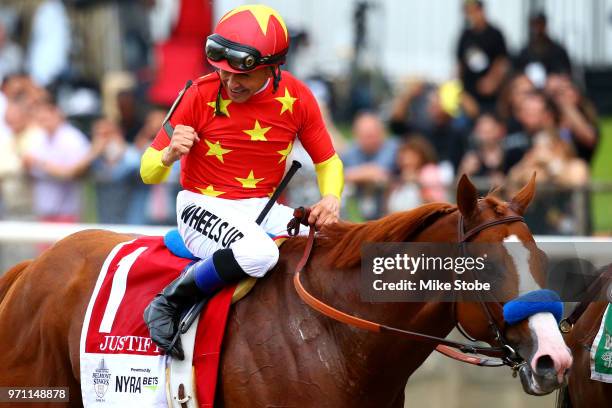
(437,319)
(378,359)
(378,363)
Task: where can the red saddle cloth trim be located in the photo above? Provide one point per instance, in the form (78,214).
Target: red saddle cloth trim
(150,271)
(209,338)
(147,266)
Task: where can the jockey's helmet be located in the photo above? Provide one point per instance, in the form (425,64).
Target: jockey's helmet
(247,38)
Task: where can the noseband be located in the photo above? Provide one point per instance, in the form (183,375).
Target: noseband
(501,355)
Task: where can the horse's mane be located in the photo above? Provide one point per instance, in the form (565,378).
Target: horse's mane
(344,239)
(497,204)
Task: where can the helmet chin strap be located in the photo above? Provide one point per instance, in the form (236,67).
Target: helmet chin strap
(276,74)
(218,99)
(263,87)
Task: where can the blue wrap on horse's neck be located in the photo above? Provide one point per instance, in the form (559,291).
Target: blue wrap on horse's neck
(543,300)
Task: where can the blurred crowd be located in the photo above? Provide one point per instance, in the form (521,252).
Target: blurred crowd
(44,159)
(500,119)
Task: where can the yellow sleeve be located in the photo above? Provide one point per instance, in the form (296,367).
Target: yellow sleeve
(330,176)
(152,170)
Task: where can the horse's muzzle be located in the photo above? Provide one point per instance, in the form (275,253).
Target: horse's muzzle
(545,381)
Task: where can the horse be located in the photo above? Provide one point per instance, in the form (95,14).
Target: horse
(583,325)
(278,351)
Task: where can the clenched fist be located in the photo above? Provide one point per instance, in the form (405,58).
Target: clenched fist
(182,140)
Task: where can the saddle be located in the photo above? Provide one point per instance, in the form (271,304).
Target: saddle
(175,244)
(179,374)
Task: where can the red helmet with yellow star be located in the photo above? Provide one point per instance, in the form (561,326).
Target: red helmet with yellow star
(247,38)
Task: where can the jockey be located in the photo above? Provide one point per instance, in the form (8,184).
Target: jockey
(233,131)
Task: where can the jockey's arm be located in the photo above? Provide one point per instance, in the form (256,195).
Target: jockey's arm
(316,140)
(330,177)
(156,164)
(152,169)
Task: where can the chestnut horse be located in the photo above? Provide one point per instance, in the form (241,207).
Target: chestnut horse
(581,391)
(278,351)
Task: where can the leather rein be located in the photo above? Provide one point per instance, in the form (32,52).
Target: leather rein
(566,325)
(465,352)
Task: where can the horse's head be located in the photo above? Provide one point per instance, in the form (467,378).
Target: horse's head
(535,336)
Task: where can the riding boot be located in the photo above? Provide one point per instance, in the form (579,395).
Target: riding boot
(202,279)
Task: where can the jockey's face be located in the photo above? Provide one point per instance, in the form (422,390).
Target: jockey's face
(240,87)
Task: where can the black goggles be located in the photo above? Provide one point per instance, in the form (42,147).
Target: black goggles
(238,56)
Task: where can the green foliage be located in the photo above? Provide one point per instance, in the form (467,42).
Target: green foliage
(602,171)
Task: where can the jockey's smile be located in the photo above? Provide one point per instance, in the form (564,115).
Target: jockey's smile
(241,86)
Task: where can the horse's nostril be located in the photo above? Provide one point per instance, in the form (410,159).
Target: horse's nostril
(545,365)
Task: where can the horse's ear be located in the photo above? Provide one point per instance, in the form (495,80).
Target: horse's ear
(523,198)
(467,197)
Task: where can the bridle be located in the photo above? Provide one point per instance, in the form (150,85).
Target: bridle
(500,355)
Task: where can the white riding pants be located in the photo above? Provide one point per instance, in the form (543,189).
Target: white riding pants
(208,224)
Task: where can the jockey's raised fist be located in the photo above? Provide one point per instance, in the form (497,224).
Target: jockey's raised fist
(183,139)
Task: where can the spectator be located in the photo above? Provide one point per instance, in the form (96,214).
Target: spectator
(8,91)
(511,97)
(158,199)
(486,158)
(55,164)
(369,162)
(409,108)
(442,104)
(11,56)
(49,47)
(420,179)
(558,171)
(24,136)
(542,55)
(371,157)
(482,56)
(554,161)
(535,113)
(578,119)
(16,84)
(113,172)
(130,116)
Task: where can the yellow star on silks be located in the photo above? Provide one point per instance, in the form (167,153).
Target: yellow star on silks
(262,15)
(250,181)
(257,133)
(287,102)
(210,191)
(224,105)
(215,149)
(285,153)
(271,193)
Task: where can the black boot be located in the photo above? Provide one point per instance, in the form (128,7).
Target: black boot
(200,280)
(163,313)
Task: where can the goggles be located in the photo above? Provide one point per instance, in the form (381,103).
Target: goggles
(238,56)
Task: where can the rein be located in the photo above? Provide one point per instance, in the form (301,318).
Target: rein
(567,324)
(453,349)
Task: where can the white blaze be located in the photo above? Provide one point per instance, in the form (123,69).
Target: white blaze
(520,257)
(549,342)
(542,325)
